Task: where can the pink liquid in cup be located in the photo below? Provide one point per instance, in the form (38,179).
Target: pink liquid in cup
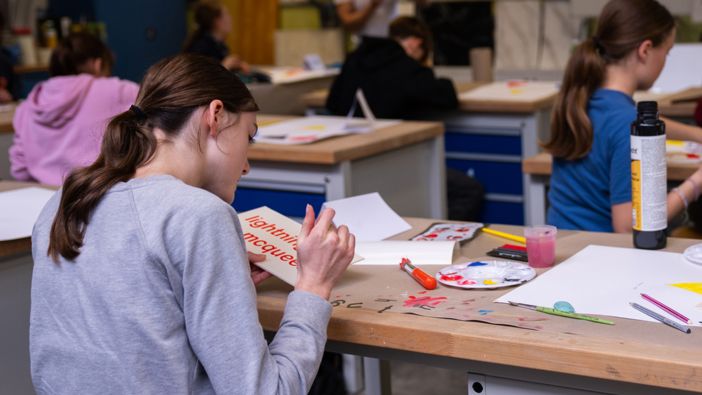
(541,245)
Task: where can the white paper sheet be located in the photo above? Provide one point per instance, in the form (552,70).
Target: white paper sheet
(603,280)
(310,129)
(368,217)
(421,253)
(517,91)
(19,210)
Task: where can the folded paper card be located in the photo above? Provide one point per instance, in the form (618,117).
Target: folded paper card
(20,210)
(421,253)
(310,129)
(274,235)
(368,217)
(604,280)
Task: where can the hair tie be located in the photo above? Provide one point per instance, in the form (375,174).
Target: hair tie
(598,45)
(137,111)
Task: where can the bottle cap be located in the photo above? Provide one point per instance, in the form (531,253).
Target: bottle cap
(647,106)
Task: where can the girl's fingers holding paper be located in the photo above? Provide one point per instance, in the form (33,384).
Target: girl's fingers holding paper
(308,222)
(324,222)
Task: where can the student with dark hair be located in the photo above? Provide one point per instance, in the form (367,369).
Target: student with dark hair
(393,75)
(213,25)
(141,281)
(59,127)
(592,116)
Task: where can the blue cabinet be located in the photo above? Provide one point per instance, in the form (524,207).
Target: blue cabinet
(140,33)
(490,147)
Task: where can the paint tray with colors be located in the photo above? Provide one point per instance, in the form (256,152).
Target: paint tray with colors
(485,274)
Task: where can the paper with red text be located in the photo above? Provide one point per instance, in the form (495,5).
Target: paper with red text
(274,235)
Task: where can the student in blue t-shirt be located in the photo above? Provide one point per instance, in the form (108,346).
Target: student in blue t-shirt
(590,127)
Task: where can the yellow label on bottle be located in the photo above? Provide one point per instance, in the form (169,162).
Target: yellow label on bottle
(636,194)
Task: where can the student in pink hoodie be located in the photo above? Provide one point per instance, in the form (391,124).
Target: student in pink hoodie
(60,125)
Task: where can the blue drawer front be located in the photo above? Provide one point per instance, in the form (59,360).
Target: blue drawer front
(291,204)
(496,177)
(503,213)
(483,143)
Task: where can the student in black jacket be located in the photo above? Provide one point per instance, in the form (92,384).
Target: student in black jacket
(393,75)
(213,26)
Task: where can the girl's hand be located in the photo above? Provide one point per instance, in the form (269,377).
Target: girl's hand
(257,274)
(324,253)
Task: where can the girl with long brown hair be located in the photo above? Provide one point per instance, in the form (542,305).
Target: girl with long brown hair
(141,279)
(590,125)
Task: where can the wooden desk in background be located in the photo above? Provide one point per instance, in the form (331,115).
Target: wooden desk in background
(631,357)
(537,171)
(488,140)
(404,163)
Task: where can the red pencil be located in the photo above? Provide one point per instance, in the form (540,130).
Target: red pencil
(669,310)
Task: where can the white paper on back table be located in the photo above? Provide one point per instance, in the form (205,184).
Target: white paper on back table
(602,280)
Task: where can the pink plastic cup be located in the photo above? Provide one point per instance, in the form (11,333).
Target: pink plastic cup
(541,245)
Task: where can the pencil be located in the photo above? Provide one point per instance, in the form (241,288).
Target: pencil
(508,236)
(668,309)
(658,317)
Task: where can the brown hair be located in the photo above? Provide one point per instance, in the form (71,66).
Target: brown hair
(407,26)
(71,54)
(622,26)
(171,90)
(205,13)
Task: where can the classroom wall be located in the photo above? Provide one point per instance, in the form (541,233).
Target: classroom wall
(141,32)
(254,24)
(138,32)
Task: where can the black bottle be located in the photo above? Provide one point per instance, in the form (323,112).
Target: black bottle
(648,178)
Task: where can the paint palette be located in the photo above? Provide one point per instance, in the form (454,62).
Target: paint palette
(485,274)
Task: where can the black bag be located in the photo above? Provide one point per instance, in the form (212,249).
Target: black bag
(464,195)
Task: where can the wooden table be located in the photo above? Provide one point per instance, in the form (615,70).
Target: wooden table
(489,139)
(631,357)
(537,170)
(404,163)
(318,99)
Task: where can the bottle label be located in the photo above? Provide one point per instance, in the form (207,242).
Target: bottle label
(648,183)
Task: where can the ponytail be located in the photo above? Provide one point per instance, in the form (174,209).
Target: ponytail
(125,147)
(622,26)
(171,91)
(571,128)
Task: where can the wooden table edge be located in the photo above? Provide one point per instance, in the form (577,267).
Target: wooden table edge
(481,346)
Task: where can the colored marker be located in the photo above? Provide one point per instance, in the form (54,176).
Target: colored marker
(656,316)
(549,310)
(505,235)
(418,274)
(668,309)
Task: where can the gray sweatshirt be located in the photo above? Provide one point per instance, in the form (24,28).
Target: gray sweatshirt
(160,301)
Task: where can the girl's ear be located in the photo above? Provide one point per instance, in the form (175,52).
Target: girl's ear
(643,50)
(214,115)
